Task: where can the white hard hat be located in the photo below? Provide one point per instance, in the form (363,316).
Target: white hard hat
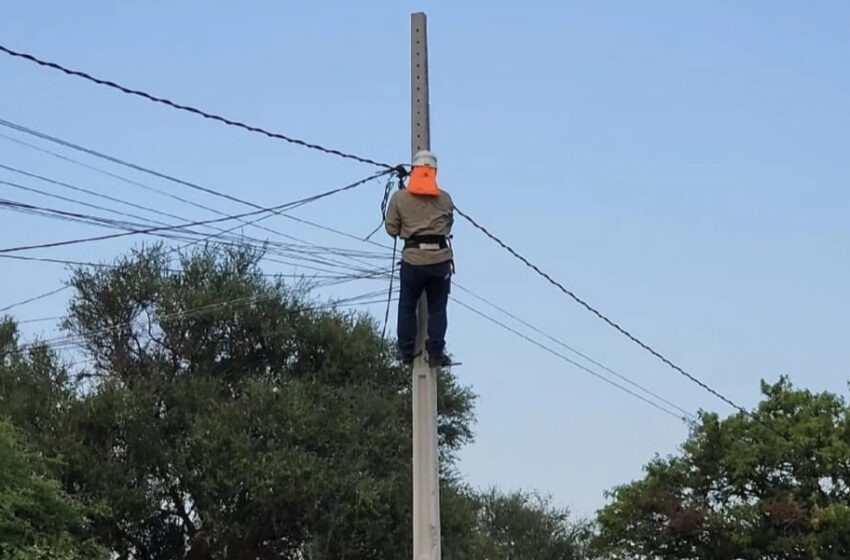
(425,157)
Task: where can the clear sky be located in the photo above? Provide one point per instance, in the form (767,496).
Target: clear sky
(681,165)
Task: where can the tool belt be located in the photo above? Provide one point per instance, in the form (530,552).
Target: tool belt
(427,242)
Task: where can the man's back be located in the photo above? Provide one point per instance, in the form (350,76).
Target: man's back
(410,215)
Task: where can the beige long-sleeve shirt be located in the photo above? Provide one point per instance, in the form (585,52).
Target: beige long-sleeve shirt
(409,215)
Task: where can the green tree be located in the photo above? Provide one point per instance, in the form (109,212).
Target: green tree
(228,416)
(223,415)
(526,526)
(771,485)
(38,521)
(35,391)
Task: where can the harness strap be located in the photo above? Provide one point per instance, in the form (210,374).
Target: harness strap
(427,242)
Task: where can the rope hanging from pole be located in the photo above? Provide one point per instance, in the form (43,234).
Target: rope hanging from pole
(399,176)
(390,291)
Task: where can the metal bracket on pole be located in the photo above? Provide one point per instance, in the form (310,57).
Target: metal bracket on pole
(426,475)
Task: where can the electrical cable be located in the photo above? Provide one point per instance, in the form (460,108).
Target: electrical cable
(573,362)
(574,351)
(188,108)
(601,316)
(32,299)
(189,224)
(154,173)
(349,255)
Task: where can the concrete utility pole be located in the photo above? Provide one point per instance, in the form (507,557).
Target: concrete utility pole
(426,477)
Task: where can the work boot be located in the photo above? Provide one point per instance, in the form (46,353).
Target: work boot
(440,360)
(406,359)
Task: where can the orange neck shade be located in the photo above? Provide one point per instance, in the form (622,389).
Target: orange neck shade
(423,181)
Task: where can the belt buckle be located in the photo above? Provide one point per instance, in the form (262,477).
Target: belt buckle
(429,246)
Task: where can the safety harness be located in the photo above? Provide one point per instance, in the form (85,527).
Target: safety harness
(427,242)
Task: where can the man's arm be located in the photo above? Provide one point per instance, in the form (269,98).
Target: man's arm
(392,221)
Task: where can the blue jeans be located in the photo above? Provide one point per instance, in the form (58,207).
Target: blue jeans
(435,281)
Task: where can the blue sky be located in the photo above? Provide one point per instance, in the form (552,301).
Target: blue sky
(681,166)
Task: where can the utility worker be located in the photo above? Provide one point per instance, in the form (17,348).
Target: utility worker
(422,214)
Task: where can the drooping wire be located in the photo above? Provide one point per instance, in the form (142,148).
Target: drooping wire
(161,175)
(242,237)
(133,228)
(70,340)
(279,136)
(685,415)
(687,419)
(573,350)
(189,109)
(349,255)
(367,298)
(362,299)
(154,173)
(64,342)
(73,201)
(282,250)
(601,316)
(394,259)
(390,291)
(90,264)
(267,211)
(34,298)
(398,180)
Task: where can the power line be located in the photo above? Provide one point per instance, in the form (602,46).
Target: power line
(60,317)
(599,314)
(685,413)
(48,260)
(35,298)
(109,173)
(86,191)
(38,320)
(222,232)
(325,274)
(180,226)
(336,231)
(362,299)
(277,249)
(588,358)
(563,344)
(154,173)
(364,272)
(71,340)
(71,200)
(98,195)
(390,291)
(513,252)
(566,346)
(279,136)
(64,341)
(685,419)
(188,108)
(57,261)
(329,262)
(132,229)
(368,273)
